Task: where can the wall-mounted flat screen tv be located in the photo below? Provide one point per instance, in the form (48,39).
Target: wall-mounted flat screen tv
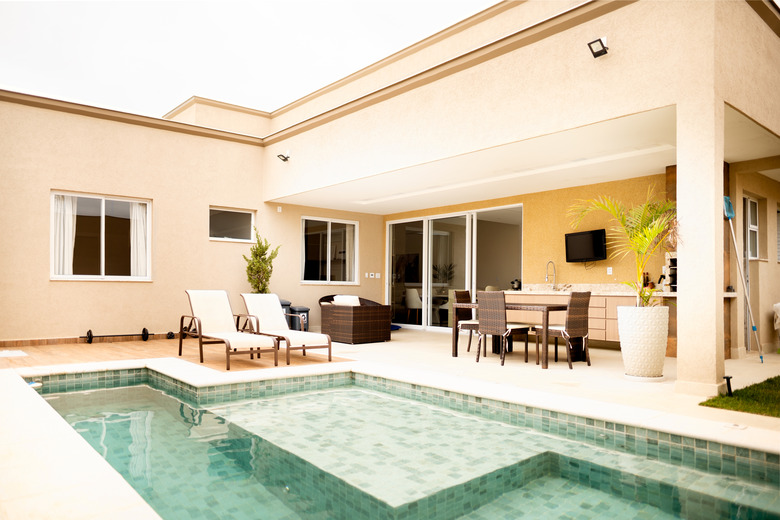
(586,246)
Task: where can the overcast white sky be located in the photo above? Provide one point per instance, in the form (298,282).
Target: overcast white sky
(148,57)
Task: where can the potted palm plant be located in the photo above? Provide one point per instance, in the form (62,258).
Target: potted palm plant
(643,230)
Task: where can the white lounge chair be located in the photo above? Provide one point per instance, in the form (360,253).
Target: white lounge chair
(266,316)
(213,321)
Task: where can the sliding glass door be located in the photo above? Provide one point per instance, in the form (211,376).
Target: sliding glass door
(406,271)
(430,258)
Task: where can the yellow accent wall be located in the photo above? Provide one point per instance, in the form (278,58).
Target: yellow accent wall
(545,222)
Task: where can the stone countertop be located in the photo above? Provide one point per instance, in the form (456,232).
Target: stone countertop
(662,294)
(566,292)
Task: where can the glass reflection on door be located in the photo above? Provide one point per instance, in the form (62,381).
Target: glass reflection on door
(448,267)
(407,272)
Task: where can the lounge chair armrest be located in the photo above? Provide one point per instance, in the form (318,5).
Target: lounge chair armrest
(302,317)
(249,321)
(189,329)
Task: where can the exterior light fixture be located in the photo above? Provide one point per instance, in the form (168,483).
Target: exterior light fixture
(284,157)
(598,47)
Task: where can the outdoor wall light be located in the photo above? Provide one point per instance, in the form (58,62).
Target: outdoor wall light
(284,157)
(598,47)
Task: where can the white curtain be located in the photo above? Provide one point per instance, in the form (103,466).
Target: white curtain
(138,239)
(64,231)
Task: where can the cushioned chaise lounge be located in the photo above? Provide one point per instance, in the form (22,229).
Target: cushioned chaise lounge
(266,316)
(213,321)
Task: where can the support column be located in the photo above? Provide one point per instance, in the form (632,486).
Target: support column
(700,138)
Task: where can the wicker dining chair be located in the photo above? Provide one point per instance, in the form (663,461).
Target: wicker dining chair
(576,326)
(466,319)
(491,316)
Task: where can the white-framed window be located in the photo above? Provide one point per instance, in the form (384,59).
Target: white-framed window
(100,238)
(231,224)
(329,250)
(751,228)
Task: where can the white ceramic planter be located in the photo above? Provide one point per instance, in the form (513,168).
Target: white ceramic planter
(643,332)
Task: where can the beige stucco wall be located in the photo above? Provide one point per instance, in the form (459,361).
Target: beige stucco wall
(182,175)
(764,273)
(746,48)
(492,24)
(223,116)
(284,229)
(44,150)
(506,99)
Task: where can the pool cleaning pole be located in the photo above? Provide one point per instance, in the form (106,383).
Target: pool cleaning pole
(728,210)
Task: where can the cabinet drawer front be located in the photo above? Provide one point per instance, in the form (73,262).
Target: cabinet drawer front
(619,301)
(597,312)
(612,331)
(597,323)
(598,301)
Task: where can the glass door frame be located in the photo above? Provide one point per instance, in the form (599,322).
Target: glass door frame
(471,242)
(427,274)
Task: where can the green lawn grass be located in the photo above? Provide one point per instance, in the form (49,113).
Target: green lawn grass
(762,399)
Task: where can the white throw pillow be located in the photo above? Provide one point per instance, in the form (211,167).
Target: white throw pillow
(346,299)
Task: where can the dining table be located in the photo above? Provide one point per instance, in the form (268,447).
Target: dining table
(544,308)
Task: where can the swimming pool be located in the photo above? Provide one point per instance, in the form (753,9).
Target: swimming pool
(444,455)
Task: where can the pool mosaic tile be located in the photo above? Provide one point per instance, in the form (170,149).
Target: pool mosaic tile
(367,435)
(752,465)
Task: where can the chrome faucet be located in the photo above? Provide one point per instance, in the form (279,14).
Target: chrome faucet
(547,273)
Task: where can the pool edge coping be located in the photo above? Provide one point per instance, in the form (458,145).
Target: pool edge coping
(750,437)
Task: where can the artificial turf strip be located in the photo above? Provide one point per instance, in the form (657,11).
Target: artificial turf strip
(762,399)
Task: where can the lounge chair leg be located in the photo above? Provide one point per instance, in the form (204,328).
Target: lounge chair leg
(181,332)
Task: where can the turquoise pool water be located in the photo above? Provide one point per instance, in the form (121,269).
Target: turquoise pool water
(347,451)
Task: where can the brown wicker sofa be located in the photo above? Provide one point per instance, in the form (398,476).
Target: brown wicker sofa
(368,322)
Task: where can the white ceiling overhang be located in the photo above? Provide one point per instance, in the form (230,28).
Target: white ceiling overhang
(631,146)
